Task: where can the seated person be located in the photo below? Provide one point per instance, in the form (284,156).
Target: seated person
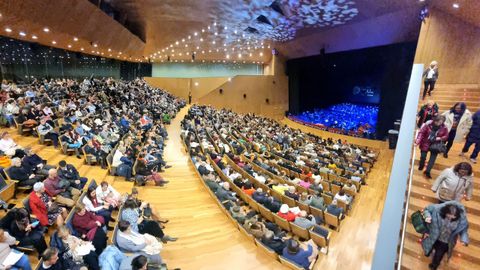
(304,220)
(25,229)
(70,173)
(93,148)
(36,164)
(123,163)
(23,174)
(100,209)
(342,196)
(280,188)
(273,242)
(256,227)
(50,260)
(48,132)
(9,147)
(142,169)
(134,262)
(224,193)
(300,253)
(145,244)
(89,226)
(5,242)
(61,190)
(291,192)
(238,213)
(42,206)
(107,194)
(350,186)
(272,204)
(131,213)
(334,209)
(318,202)
(73,251)
(248,189)
(285,213)
(73,141)
(260,196)
(148,210)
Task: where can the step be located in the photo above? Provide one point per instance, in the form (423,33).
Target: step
(413,248)
(427,195)
(438,167)
(418,175)
(458,85)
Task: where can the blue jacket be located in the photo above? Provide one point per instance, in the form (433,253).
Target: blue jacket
(461,231)
(111,258)
(301,258)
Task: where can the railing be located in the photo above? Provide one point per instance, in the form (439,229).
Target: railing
(395,208)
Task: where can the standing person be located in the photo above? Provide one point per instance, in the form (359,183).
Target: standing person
(433,134)
(473,137)
(446,222)
(458,121)
(427,112)
(190,97)
(431,76)
(453,183)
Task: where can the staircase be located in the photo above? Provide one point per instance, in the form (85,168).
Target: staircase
(464,258)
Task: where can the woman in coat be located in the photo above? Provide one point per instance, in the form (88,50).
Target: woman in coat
(145,244)
(458,121)
(453,183)
(473,137)
(89,226)
(44,209)
(427,112)
(446,222)
(432,132)
(72,251)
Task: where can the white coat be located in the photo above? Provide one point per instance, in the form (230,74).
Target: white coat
(463,125)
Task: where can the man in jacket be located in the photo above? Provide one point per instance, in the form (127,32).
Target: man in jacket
(35,162)
(70,173)
(23,174)
(275,243)
(431,76)
(64,195)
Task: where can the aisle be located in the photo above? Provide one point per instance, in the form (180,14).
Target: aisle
(208,240)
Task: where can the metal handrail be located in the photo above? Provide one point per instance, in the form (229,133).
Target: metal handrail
(407,204)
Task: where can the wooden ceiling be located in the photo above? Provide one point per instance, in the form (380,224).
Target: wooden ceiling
(467,10)
(75,25)
(211,30)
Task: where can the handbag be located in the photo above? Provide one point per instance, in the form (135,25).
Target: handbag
(418,222)
(437,147)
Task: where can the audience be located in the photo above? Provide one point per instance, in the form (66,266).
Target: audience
(47,211)
(5,242)
(131,241)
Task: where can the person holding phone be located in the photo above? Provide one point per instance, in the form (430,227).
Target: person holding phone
(446,222)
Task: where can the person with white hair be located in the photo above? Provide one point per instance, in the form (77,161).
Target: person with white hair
(304,220)
(285,213)
(431,76)
(42,206)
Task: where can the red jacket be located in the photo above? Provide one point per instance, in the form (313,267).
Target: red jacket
(39,208)
(422,137)
(288,216)
(86,223)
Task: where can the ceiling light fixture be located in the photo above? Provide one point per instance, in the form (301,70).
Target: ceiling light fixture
(195,34)
(54,42)
(46,30)
(75,39)
(69,46)
(95,45)
(22,33)
(456,5)
(34,37)
(228,56)
(8,30)
(109,49)
(261,54)
(81,49)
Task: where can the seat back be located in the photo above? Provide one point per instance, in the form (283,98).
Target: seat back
(26,204)
(276,195)
(320,240)
(289,201)
(317,212)
(303,207)
(332,220)
(299,231)
(290,264)
(343,205)
(267,250)
(282,223)
(335,188)
(326,186)
(327,198)
(266,213)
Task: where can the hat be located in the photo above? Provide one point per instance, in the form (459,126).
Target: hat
(37,186)
(284,209)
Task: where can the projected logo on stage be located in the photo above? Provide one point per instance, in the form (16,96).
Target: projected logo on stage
(281,19)
(364,91)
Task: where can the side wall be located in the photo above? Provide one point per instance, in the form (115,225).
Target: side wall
(180,87)
(257,90)
(454,43)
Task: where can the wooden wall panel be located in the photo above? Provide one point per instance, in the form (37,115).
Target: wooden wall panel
(181,86)
(455,44)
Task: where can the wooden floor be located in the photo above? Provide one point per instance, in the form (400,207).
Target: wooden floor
(464,258)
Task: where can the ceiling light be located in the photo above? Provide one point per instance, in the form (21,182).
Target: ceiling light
(239,55)
(46,30)
(109,49)
(54,42)
(216,33)
(186,45)
(455,5)
(183,40)
(75,39)
(189,37)
(195,34)
(228,56)
(225,28)
(235,31)
(176,43)
(34,37)
(8,30)
(22,33)
(261,54)
(250,54)
(201,40)
(215,24)
(203,30)
(203,51)
(81,49)
(69,46)
(120,53)
(198,47)
(196,83)
(95,45)
(213,42)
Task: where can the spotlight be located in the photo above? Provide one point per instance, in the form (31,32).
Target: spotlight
(75,39)
(22,33)
(46,30)
(34,37)
(456,5)
(8,30)
(54,42)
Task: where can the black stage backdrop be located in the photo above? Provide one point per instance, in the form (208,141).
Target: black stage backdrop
(377,75)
